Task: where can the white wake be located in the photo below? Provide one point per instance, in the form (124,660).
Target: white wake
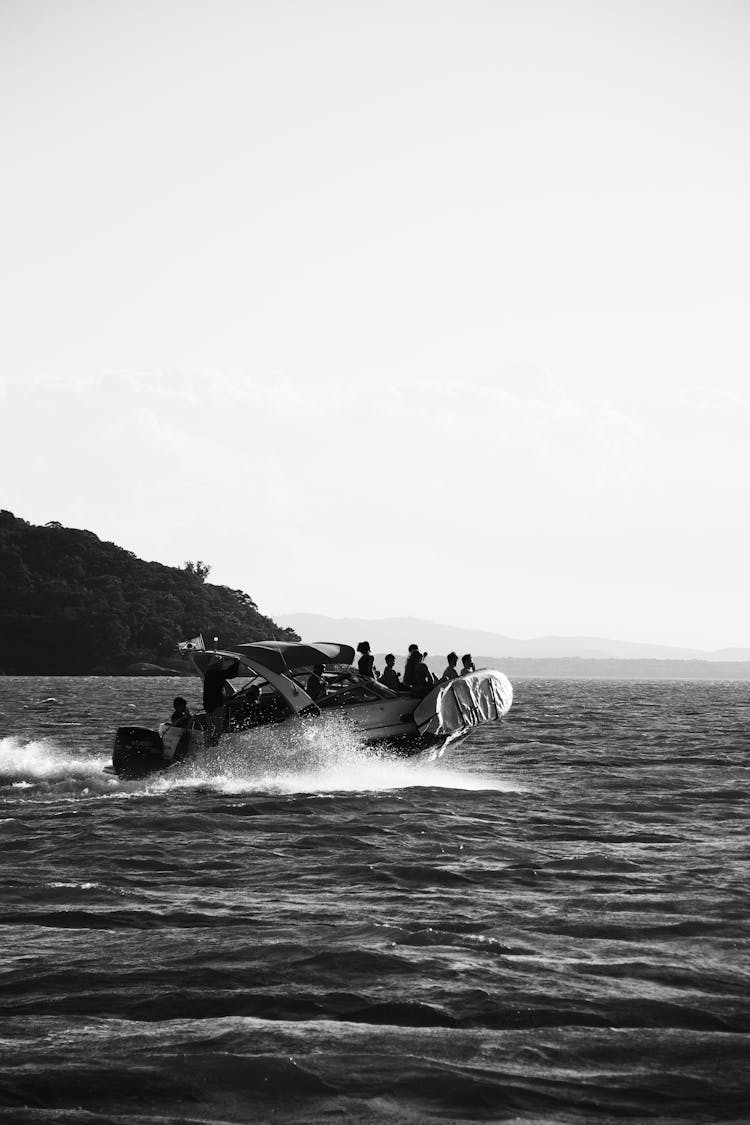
(330,759)
(43,768)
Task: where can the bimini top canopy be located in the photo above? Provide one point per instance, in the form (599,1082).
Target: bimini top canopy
(283,656)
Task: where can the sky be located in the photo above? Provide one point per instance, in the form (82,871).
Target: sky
(435,309)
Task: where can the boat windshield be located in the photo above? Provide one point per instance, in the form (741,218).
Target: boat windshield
(341,679)
(243,682)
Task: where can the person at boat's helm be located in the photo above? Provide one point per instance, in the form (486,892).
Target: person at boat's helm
(390,676)
(316,686)
(215,692)
(366,662)
(467,664)
(450,672)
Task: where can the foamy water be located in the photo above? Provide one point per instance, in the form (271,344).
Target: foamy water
(298,760)
(43,760)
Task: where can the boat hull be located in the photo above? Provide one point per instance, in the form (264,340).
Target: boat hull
(139,752)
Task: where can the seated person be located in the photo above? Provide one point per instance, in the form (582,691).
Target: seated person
(467,664)
(180,716)
(390,676)
(175,735)
(316,686)
(450,672)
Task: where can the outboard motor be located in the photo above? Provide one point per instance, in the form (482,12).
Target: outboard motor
(137,753)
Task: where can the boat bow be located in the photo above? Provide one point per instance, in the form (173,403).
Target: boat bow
(463,703)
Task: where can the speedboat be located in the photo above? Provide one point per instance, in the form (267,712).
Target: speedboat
(269,687)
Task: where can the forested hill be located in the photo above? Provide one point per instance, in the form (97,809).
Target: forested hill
(71,604)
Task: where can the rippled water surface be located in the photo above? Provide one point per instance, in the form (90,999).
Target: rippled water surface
(551,925)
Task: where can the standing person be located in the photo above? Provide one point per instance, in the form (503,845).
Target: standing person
(366,662)
(390,676)
(450,672)
(467,664)
(412,660)
(215,690)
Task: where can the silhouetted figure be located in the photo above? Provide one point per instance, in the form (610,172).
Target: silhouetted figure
(423,677)
(175,735)
(180,716)
(316,686)
(418,678)
(366,662)
(215,691)
(390,676)
(412,661)
(467,664)
(451,672)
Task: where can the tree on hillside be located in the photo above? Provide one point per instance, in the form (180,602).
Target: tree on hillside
(198,568)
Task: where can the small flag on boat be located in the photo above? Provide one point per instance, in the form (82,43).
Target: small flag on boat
(196,645)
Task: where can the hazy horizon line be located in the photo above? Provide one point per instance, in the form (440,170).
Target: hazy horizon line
(282,616)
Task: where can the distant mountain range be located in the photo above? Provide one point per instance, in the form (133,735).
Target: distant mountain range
(395,634)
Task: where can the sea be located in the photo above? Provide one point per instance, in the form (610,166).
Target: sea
(550,924)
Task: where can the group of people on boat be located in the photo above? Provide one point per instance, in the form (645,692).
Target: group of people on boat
(416,679)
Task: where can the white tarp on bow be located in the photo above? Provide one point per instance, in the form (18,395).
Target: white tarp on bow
(481,697)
